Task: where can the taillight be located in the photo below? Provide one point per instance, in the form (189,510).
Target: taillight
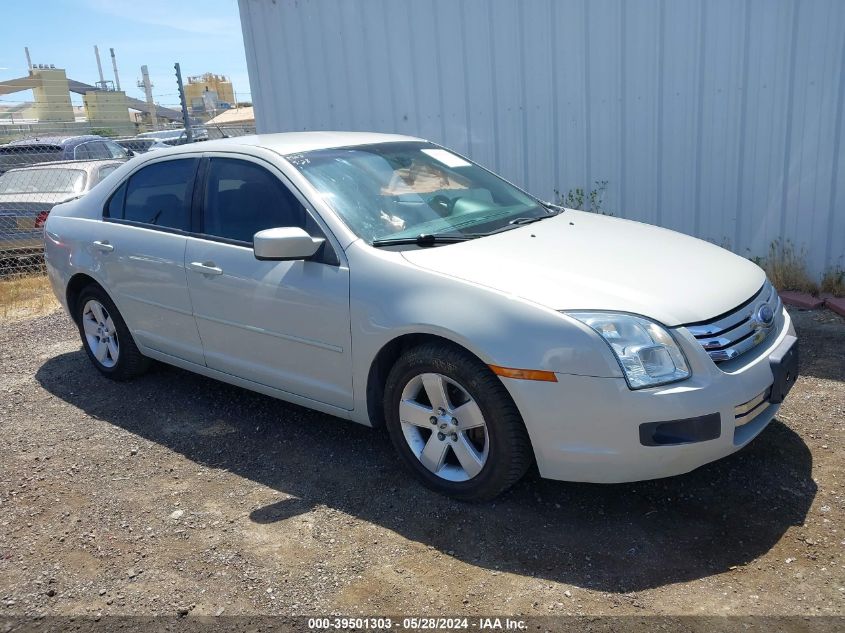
(41,219)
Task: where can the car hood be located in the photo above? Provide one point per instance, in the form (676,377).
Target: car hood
(586,261)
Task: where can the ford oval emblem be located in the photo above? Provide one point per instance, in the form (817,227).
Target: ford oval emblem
(765,315)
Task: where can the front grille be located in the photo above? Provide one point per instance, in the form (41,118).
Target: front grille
(731,335)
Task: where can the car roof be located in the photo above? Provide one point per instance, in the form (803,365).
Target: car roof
(58,140)
(295,142)
(77,164)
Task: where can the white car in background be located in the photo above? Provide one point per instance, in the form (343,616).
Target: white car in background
(386,280)
(138,145)
(27,194)
(176,136)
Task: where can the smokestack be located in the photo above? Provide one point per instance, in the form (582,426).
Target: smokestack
(148,93)
(99,68)
(114,65)
(28,58)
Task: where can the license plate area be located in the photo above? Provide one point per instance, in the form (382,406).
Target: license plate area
(784,364)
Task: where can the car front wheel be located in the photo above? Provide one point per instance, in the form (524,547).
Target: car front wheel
(453,423)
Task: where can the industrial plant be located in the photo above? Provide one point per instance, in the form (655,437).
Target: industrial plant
(105,105)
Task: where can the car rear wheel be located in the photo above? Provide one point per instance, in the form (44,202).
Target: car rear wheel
(453,423)
(106,338)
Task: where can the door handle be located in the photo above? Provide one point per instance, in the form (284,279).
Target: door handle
(103,246)
(206,268)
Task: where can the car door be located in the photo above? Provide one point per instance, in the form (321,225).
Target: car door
(283,324)
(140,253)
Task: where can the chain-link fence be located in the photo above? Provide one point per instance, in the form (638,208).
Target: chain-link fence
(42,166)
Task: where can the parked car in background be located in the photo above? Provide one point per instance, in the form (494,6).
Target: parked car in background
(177,136)
(387,280)
(140,145)
(48,149)
(28,193)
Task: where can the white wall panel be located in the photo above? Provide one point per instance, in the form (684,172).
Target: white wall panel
(722,119)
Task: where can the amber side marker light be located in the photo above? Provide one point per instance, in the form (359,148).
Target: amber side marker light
(524,374)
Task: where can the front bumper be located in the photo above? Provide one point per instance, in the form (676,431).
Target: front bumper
(585,428)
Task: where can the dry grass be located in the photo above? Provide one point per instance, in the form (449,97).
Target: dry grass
(786,268)
(833,282)
(26,296)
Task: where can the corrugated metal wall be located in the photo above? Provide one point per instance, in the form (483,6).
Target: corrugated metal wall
(722,118)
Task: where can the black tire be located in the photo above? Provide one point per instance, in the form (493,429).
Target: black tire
(130,362)
(510,454)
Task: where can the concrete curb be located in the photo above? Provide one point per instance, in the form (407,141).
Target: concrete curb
(837,304)
(801,300)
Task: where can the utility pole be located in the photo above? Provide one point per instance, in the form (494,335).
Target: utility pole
(148,92)
(189,134)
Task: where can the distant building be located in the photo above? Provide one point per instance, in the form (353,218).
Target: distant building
(52,95)
(209,93)
(239,116)
(107,107)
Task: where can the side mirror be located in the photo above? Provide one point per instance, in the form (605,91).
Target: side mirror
(285,244)
(130,153)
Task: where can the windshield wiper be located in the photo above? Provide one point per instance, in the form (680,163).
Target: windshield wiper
(524,221)
(553,207)
(423,239)
(517,222)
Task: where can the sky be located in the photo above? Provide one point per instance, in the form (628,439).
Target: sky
(202,36)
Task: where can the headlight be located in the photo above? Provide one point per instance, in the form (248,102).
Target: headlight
(646,352)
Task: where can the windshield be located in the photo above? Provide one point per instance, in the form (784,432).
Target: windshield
(398,190)
(43,181)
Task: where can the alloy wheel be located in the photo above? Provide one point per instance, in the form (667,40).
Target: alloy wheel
(444,427)
(100,333)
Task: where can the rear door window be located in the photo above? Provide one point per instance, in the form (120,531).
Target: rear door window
(157,195)
(82,152)
(95,150)
(114,150)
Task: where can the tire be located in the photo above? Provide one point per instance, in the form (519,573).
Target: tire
(498,453)
(119,358)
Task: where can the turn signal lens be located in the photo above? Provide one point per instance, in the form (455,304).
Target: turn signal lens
(524,374)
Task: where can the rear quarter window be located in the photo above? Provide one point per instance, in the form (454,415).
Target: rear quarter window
(114,207)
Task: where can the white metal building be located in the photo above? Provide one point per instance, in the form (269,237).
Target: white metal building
(722,118)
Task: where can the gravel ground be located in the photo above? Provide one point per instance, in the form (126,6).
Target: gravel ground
(176,494)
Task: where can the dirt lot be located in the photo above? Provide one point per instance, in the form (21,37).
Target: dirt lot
(176,493)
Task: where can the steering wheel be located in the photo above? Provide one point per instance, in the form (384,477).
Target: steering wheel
(442,204)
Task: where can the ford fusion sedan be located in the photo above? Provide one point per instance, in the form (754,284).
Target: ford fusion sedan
(389,281)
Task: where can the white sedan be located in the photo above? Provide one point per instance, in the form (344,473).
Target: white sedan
(389,281)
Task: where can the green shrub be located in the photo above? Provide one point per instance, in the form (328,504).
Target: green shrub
(576,198)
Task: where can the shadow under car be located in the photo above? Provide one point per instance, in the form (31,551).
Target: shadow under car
(616,538)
